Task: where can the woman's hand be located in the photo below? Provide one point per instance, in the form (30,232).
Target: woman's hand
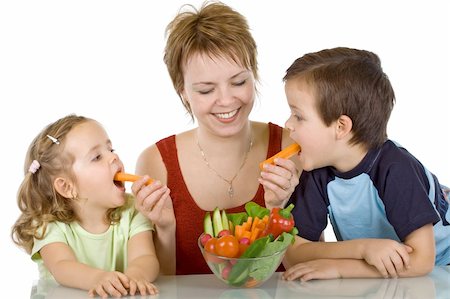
(154,202)
(279,181)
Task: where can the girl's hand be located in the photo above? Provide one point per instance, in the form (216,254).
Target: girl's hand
(315,269)
(141,285)
(279,181)
(388,256)
(154,202)
(112,283)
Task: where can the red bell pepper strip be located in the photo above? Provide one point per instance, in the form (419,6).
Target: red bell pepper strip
(281,220)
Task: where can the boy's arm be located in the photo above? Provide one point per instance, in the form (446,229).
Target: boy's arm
(348,258)
(60,260)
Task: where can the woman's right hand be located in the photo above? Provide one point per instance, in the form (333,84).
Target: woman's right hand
(154,202)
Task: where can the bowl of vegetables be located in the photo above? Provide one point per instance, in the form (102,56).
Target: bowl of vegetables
(245,249)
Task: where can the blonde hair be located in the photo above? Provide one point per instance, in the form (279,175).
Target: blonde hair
(216,30)
(37,199)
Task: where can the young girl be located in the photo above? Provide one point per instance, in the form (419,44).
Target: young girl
(77,223)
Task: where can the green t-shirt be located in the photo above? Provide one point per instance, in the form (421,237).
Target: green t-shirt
(107,251)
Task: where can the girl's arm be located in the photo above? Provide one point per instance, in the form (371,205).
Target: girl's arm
(67,271)
(143,265)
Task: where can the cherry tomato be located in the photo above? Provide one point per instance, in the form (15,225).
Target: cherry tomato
(227,246)
(242,248)
(210,245)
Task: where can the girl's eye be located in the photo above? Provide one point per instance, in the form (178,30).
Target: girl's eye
(297,117)
(97,158)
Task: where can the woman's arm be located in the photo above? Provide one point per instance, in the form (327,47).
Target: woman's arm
(155,203)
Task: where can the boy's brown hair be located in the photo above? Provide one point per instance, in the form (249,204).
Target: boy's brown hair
(349,82)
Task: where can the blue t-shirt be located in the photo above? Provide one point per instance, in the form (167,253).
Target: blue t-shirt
(388,195)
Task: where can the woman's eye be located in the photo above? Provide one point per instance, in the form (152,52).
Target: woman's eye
(240,83)
(205,91)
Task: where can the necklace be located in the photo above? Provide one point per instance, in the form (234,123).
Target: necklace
(229,182)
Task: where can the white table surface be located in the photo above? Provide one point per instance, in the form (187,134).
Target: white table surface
(434,285)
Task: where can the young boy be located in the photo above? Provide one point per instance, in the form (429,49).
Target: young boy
(387,210)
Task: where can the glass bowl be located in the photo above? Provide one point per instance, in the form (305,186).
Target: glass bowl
(243,272)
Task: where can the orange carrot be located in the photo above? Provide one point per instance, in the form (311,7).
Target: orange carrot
(254,234)
(126,177)
(286,153)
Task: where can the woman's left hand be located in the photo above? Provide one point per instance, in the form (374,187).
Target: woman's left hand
(279,181)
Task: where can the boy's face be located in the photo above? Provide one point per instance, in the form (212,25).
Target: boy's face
(307,128)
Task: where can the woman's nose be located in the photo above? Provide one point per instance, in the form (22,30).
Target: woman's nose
(224,96)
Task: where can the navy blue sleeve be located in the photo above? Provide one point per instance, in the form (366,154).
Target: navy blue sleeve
(310,211)
(404,188)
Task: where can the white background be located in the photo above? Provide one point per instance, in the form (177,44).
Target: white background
(103,59)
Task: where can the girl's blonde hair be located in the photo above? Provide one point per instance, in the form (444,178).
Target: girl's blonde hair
(37,199)
(215,30)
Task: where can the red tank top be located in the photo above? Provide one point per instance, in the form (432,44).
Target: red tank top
(189,217)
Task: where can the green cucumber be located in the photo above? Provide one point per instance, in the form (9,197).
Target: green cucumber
(217,222)
(207,225)
(225,224)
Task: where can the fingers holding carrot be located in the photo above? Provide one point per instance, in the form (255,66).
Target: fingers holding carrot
(279,181)
(153,201)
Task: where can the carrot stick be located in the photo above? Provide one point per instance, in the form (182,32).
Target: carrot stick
(286,153)
(126,177)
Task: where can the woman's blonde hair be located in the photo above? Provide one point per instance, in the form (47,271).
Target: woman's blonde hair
(37,199)
(216,30)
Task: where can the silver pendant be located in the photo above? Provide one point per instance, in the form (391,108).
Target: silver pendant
(230,191)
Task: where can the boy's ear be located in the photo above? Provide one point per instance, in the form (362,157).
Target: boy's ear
(344,125)
(64,187)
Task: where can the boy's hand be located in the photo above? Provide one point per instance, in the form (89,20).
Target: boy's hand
(279,181)
(388,256)
(315,269)
(110,284)
(154,202)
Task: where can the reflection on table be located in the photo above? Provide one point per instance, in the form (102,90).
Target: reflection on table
(435,285)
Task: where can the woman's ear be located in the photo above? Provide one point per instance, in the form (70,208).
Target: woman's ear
(344,125)
(64,187)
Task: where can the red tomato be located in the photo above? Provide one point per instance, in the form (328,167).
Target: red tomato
(227,246)
(210,245)
(242,248)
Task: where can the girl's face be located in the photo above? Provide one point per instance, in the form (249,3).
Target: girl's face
(95,166)
(220,92)
(307,128)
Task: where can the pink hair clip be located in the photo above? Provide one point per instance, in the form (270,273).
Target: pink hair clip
(34,166)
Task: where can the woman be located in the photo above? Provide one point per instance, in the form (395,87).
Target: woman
(211,58)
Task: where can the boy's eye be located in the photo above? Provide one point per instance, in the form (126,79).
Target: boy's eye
(97,158)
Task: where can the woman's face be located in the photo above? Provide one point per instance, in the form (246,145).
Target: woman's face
(220,93)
